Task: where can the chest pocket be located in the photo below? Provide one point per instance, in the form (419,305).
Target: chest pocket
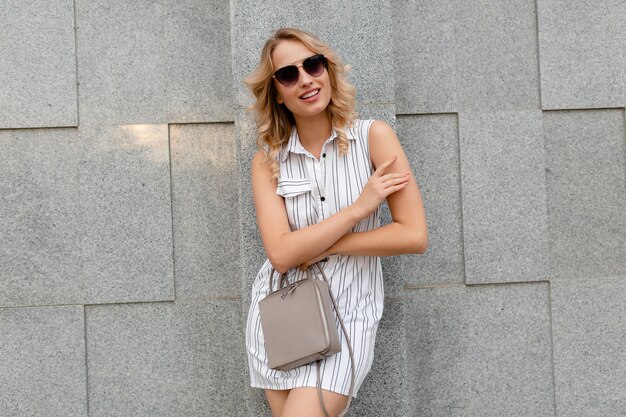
(298,201)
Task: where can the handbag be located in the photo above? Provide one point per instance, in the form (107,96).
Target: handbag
(299,326)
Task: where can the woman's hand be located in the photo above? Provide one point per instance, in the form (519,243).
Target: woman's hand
(379,186)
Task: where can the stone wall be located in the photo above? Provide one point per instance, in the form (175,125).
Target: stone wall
(128,241)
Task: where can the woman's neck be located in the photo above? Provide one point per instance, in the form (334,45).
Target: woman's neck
(313,132)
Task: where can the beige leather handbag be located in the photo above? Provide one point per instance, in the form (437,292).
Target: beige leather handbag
(299,326)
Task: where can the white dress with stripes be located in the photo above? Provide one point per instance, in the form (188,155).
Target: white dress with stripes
(314,190)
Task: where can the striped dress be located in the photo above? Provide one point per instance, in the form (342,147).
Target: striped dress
(314,190)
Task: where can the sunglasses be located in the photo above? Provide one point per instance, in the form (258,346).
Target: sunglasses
(313,65)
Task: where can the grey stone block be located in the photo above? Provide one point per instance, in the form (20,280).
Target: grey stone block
(504,197)
(38,64)
(205,191)
(424,43)
(126,214)
(480,351)
(359,32)
(586,185)
(252,252)
(589,328)
(581,46)
(496,56)
(42,362)
(154,62)
(383,392)
(166,359)
(211,358)
(131,360)
(198,61)
(40,250)
(431,143)
(456,56)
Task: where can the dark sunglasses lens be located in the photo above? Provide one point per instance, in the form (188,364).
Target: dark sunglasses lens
(287,76)
(315,65)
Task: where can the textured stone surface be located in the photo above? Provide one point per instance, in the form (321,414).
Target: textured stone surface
(424,43)
(211,358)
(365,47)
(126,214)
(431,143)
(38,65)
(581,47)
(586,186)
(457,56)
(589,332)
(40,249)
(42,362)
(383,392)
(154,62)
(479,351)
(131,359)
(496,58)
(166,359)
(252,252)
(504,197)
(205,188)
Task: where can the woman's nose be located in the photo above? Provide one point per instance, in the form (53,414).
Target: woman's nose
(305,78)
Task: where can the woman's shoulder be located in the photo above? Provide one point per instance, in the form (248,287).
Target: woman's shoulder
(364,129)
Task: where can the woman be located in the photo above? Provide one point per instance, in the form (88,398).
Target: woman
(318,180)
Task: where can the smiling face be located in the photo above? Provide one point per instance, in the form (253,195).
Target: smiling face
(309,96)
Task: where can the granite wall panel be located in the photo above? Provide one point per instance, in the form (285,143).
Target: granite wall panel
(205,191)
(126,215)
(581,46)
(131,360)
(504,197)
(497,68)
(457,56)
(586,188)
(432,145)
(40,249)
(383,392)
(589,328)
(42,362)
(479,351)
(153,62)
(424,45)
(166,359)
(38,65)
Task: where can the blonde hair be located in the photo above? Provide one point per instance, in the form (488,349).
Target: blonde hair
(274,121)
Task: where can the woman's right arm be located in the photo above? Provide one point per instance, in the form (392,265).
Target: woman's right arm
(286,249)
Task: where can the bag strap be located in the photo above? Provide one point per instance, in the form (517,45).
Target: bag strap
(353,367)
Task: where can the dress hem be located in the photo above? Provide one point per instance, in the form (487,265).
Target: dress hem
(301,386)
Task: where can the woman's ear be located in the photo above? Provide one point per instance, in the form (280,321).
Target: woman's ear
(279,99)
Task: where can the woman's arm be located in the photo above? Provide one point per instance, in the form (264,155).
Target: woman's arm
(408,232)
(285,248)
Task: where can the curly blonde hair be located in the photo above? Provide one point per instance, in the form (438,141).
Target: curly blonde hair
(274,121)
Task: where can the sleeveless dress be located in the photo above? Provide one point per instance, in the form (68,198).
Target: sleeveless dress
(314,190)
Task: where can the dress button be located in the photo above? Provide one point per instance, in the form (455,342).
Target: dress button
(323,199)
(323,155)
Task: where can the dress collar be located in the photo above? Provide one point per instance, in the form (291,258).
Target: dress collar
(294,145)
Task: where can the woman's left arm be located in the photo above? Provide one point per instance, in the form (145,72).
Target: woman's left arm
(408,232)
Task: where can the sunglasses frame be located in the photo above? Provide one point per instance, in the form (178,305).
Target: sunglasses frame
(321,57)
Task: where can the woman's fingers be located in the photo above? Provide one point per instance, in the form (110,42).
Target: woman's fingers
(391,180)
